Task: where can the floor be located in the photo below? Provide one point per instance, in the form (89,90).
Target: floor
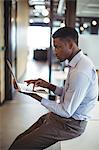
(20,113)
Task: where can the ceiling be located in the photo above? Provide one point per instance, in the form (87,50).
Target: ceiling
(85,8)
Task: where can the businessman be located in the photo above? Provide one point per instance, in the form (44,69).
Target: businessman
(67,119)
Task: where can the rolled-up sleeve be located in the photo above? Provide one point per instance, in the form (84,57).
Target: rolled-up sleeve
(58,91)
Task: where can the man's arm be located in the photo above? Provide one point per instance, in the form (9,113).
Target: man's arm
(73,97)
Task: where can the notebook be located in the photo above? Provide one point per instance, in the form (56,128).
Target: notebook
(22,87)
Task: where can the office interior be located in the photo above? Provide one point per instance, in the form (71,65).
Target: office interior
(26,27)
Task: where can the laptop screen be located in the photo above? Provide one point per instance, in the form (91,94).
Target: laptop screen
(10,68)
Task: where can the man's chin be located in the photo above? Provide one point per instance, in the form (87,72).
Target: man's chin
(60,59)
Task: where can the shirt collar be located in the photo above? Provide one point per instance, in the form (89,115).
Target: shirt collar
(75,59)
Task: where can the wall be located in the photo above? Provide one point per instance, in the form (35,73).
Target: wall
(2,83)
(90,45)
(22,48)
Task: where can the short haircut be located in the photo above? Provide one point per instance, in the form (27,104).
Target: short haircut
(66,32)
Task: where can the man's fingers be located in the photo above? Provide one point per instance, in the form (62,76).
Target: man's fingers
(29,81)
(35,82)
(38,82)
(33,86)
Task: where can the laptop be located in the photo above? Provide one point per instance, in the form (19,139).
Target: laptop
(22,87)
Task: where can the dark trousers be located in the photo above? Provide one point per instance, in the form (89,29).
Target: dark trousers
(49,129)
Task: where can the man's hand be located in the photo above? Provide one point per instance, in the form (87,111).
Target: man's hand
(41,83)
(38,82)
(15,85)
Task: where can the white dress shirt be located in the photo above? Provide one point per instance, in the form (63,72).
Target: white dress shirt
(80,92)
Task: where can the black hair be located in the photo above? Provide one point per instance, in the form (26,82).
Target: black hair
(66,32)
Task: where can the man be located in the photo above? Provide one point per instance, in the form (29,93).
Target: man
(68,118)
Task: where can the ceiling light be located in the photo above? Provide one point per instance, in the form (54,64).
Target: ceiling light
(45,12)
(12,19)
(93,5)
(94,23)
(60,6)
(36,2)
(39,7)
(30,20)
(46,20)
(62,24)
(81,28)
(85,25)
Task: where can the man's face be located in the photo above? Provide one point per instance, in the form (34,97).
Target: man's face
(62,49)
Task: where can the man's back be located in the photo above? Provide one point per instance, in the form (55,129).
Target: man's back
(86,69)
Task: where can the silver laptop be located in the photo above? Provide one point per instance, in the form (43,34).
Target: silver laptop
(23,86)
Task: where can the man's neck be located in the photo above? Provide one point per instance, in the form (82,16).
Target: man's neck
(73,54)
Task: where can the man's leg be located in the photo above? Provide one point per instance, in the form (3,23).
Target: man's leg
(53,129)
(38,123)
(37,138)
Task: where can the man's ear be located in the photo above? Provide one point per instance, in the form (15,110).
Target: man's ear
(70,43)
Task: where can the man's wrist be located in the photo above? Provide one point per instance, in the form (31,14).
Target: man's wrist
(52,87)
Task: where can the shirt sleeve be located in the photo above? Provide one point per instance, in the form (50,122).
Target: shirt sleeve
(74,95)
(58,91)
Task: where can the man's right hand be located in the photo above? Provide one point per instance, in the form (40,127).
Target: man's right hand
(38,82)
(41,83)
